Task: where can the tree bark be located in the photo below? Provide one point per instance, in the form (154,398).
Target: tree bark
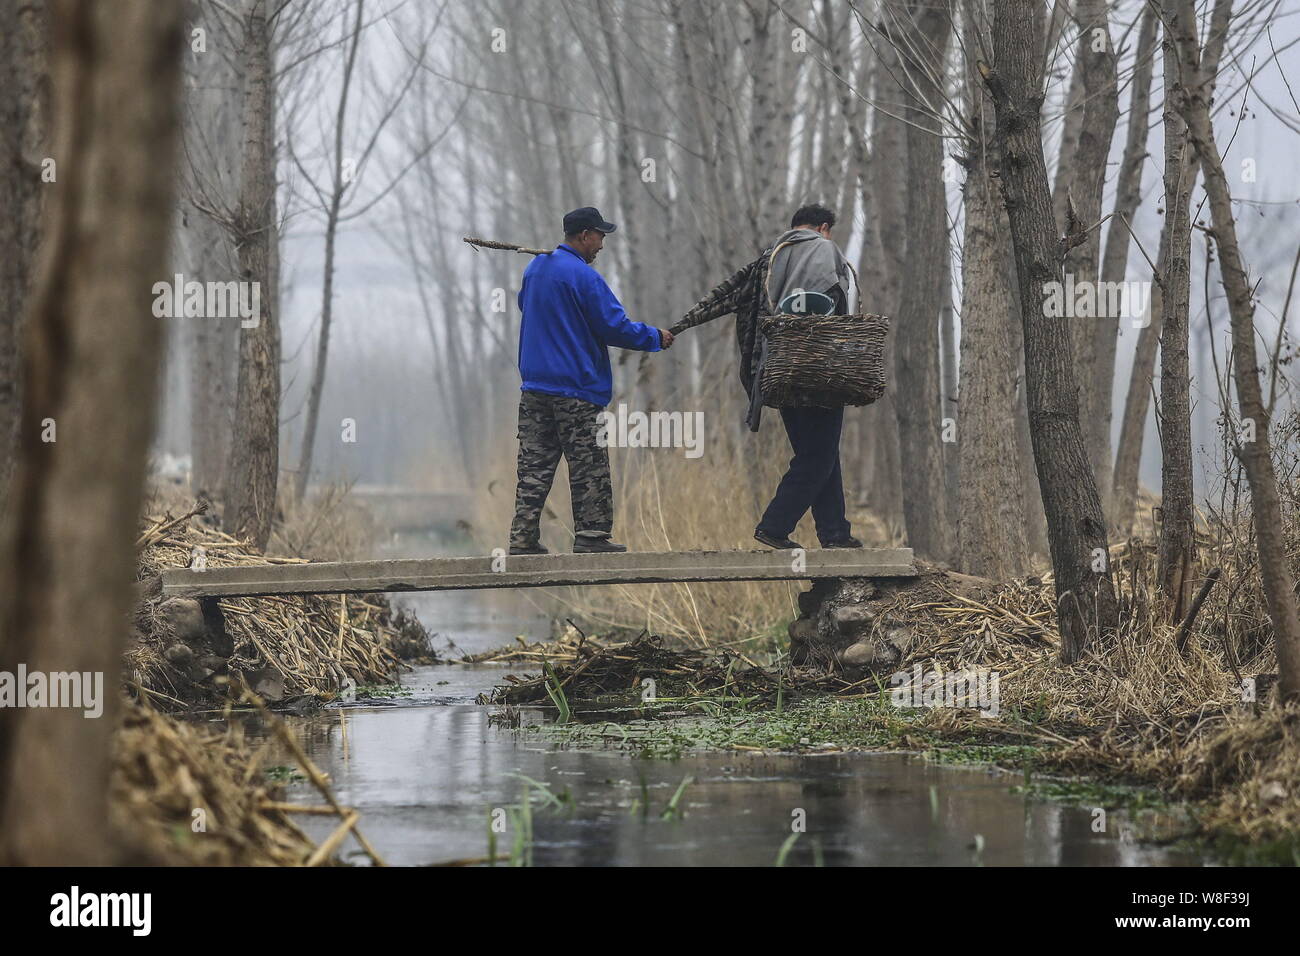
(889,224)
(1036,518)
(1176,555)
(23,29)
(949,405)
(1086,605)
(207,253)
(1095,61)
(991,526)
(916,343)
(255,448)
(1256,456)
(90,366)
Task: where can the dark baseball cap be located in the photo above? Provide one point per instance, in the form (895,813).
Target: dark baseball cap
(588,217)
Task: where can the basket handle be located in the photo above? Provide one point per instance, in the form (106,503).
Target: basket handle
(767,279)
(856,284)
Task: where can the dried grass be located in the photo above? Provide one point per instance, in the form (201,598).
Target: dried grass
(165,769)
(312,642)
(1135,709)
(182,794)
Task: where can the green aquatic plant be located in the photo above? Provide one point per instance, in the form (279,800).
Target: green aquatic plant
(382,691)
(555,690)
(284,774)
(786,846)
(674,811)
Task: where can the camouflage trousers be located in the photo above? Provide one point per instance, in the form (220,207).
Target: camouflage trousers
(551,426)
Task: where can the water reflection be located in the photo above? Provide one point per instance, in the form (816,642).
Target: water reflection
(426,771)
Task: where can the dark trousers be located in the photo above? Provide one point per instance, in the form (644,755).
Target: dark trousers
(813,479)
(551,426)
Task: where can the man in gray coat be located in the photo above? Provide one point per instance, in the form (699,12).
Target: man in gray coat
(806,260)
(803,260)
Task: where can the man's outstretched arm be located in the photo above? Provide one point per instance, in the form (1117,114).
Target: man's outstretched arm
(726,297)
(609,321)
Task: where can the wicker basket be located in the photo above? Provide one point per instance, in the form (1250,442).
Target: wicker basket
(824,360)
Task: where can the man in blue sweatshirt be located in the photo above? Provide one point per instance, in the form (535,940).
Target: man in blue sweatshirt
(570,318)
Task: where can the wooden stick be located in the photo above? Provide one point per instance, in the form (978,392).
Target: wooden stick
(160,530)
(507,246)
(1185,629)
(313,772)
(277,805)
(343,624)
(332,842)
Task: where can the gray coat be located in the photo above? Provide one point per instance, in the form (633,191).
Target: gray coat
(811,263)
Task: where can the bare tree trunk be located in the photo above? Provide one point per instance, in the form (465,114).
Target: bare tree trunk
(1076,528)
(1114,265)
(1035,517)
(948,398)
(627,172)
(991,529)
(916,344)
(255,452)
(207,253)
(1176,555)
(889,224)
(1128,456)
(90,367)
(1045,32)
(1256,456)
(338,184)
(23,30)
(1095,60)
(1067,166)
(859,193)
(771,113)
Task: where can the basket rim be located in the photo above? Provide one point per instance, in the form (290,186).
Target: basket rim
(863,318)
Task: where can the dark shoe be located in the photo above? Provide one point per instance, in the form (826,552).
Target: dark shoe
(528,549)
(772,541)
(849,542)
(596,546)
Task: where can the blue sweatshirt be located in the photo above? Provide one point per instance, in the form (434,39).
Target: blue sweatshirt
(570,318)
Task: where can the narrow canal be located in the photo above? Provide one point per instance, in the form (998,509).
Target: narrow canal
(429,773)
